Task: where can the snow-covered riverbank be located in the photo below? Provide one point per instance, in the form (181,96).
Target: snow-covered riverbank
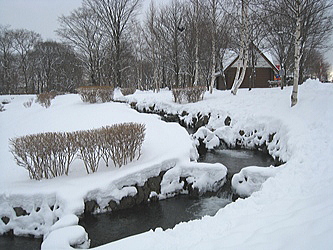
(293,209)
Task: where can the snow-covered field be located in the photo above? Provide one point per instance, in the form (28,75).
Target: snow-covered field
(292,210)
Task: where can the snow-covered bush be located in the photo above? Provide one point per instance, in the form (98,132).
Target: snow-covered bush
(190,94)
(48,155)
(2,107)
(94,94)
(128,91)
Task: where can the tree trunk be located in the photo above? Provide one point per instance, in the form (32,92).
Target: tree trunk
(196,74)
(297,58)
(212,82)
(244,53)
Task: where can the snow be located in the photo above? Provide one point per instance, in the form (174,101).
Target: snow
(250,179)
(45,202)
(69,237)
(228,58)
(290,208)
(203,176)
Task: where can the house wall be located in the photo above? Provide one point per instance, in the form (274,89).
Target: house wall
(261,80)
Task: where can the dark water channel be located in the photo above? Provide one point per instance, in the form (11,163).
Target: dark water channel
(19,243)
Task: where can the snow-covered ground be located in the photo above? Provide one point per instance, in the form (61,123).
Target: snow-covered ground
(167,146)
(292,210)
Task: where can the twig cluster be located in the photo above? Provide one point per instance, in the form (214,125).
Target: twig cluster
(28,103)
(94,94)
(44,99)
(190,94)
(47,155)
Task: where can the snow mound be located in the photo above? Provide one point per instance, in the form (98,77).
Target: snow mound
(201,176)
(250,179)
(67,238)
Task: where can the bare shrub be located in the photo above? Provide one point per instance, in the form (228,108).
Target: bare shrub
(89,152)
(28,103)
(122,142)
(190,94)
(94,94)
(47,155)
(128,91)
(44,99)
(178,95)
(26,154)
(105,93)
(44,155)
(87,93)
(67,150)
(195,94)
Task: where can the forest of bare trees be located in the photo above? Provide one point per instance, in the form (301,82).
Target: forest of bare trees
(174,44)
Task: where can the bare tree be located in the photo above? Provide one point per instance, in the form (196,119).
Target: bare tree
(280,35)
(196,69)
(312,23)
(6,60)
(213,16)
(152,39)
(82,29)
(114,16)
(23,42)
(244,52)
(171,28)
(55,67)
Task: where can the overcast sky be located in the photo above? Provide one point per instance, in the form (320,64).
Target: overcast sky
(42,16)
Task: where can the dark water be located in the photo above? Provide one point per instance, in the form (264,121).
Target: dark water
(235,160)
(108,227)
(18,243)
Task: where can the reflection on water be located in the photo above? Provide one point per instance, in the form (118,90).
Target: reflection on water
(235,160)
(207,206)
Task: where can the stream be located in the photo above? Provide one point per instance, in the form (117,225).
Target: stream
(112,226)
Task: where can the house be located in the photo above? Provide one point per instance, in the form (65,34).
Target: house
(265,70)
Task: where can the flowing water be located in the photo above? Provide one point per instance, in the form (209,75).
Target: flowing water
(18,243)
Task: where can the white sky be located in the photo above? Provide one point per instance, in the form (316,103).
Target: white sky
(42,16)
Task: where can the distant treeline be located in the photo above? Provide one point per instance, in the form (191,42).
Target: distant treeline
(178,44)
